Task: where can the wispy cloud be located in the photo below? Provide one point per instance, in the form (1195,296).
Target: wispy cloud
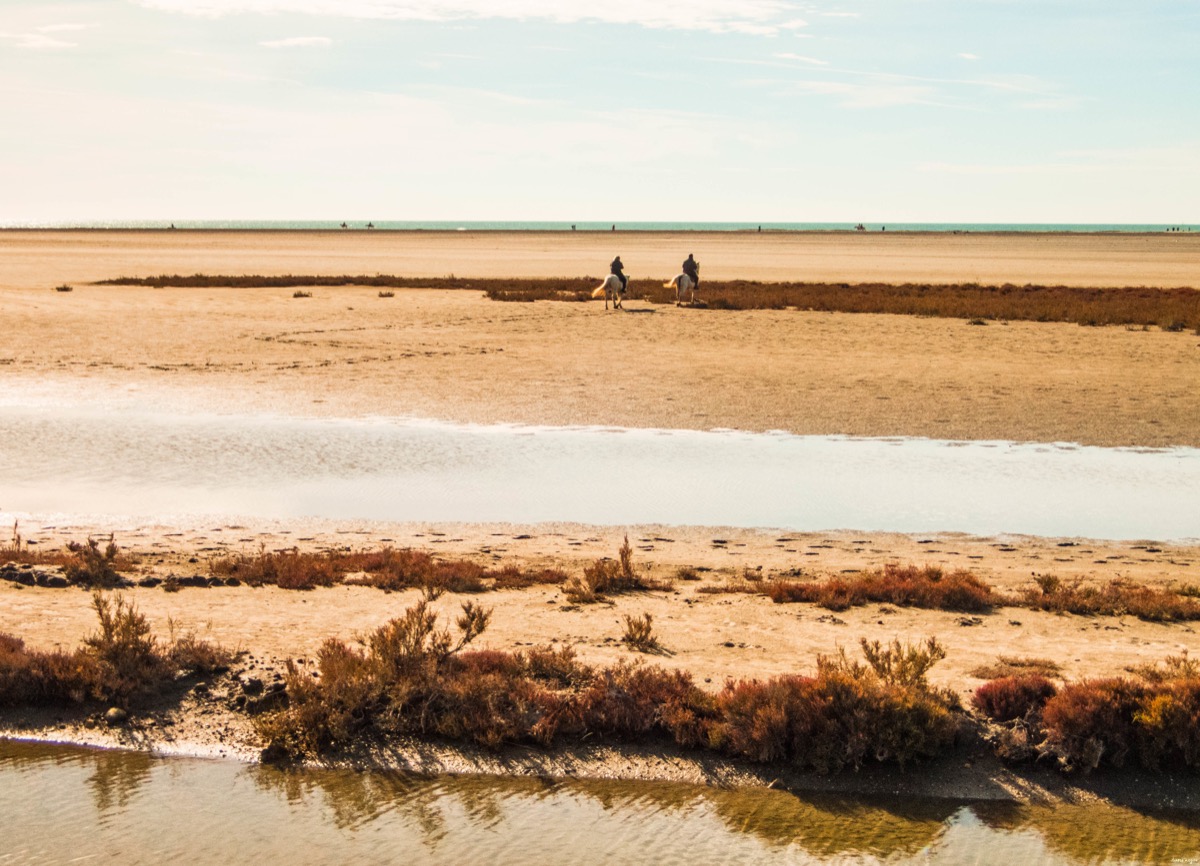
(36,41)
(787,55)
(297,42)
(754,17)
(966,55)
(63,28)
(872,95)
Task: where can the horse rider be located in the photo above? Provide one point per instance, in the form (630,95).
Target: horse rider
(618,269)
(691,267)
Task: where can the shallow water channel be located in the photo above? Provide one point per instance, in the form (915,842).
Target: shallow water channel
(85,460)
(64,804)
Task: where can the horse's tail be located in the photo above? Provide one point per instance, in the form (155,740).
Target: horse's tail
(671,283)
(598,292)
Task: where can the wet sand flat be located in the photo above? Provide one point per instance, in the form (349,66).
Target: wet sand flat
(455,356)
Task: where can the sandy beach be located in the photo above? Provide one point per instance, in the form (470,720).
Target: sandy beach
(456,356)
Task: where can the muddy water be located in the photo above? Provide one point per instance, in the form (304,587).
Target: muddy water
(64,804)
(85,460)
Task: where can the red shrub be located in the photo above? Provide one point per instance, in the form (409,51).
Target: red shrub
(1009,698)
(1093,721)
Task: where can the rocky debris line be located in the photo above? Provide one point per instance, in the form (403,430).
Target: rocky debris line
(54,576)
(34,575)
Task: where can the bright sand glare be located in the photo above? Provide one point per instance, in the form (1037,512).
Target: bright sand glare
(85,460)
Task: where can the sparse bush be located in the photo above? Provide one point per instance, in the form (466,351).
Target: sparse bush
(1174,669)
(1010,698)
(639,634)
(119,664)
(125,647)
(387,294)
(92,566)
(301,294)
(608,577)
(64,288)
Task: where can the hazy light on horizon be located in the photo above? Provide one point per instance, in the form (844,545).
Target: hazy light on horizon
(704,110)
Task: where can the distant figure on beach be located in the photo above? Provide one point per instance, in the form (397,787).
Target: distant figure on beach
(617,269)
(860,228)
(614,228)
(370,225)
(344,226)
(691,267)
(172,225)
(572,226)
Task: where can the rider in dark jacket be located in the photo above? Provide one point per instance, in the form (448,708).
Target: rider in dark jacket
(691,267)
(617,268)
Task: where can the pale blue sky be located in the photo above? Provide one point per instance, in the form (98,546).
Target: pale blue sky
(757,110)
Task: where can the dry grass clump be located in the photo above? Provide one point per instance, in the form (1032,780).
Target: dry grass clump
(388,568)
(412,678)
(120,663)
(287,569)
(1017,666)
(511,577)
(300,293)
(610,577)
(64,288)
(1117,598)
(20,552)
(910,586)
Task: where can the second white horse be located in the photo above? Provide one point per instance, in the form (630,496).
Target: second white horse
(684,286)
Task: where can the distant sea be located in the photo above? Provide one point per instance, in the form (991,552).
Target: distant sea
(558,226)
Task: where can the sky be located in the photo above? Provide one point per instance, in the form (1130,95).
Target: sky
(1027,111)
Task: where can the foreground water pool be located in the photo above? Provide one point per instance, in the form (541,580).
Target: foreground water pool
(85,460)
(63,804)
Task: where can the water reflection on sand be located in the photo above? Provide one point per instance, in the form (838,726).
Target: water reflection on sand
(62,802)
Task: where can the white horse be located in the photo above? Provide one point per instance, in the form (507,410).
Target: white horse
(684,286)
(610,288)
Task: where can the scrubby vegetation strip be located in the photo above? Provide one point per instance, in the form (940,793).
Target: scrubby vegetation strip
(1174,309)
(393,569)
(412,678)
(1152,721)
(121,663)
